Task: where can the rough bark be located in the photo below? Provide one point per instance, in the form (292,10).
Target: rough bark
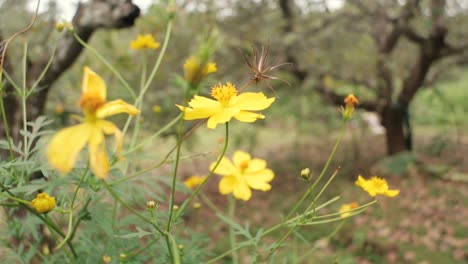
(89,17)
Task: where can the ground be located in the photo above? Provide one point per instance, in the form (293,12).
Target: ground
(426,223)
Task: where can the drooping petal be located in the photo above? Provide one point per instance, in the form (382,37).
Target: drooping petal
(221,117)
(256,165)
(116,107)
(227,184)
(242,191)
(94,85)
(65,146)
(248,117)
(251,101)
(110,129)
(225,167)
(260,180)
(97,154)
(240,158)
(391,193)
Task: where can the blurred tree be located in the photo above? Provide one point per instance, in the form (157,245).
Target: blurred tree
(389,48)
(89,17)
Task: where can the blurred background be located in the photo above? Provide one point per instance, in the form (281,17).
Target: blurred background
(406,61)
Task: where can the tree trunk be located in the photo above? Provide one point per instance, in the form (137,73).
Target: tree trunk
(398,132)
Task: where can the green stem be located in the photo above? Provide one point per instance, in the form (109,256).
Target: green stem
(322,173)
(135,212)
(70,217)
(232,235)
(211,173)
(108,64)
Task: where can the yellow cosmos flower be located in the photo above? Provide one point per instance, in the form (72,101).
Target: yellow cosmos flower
(65,146)
(144,42)
(193,181)
(346,208)
(376,185)
(194,71)
(228,104)
(243,174)
(43,203)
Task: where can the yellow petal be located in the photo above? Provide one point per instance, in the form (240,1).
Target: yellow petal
(248,117)
(65,146)
(198,113)
(221,117)
(260,180)
(94,85)
(203,102)
(225,167)
(251,101)
(110,129)
(227,184)
(391,193)
(256,165)
(116,107)
(240,157)
(242,191)
(97,154)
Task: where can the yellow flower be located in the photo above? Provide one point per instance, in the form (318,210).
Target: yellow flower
(243,174)
(157,108)
(193,181)
(376,185)
(43,203)
(226,106)
(346,208)
(106,259)
(194,71)
(144,42)
(65,146)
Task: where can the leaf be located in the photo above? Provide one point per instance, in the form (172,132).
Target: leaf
(141,233)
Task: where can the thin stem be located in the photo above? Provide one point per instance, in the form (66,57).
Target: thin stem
(135,212)
(72,203)
(211,173)
(232,234)
(108,64)
(322,173)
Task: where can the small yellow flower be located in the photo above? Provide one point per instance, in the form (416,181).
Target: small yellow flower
(193,181)
(106,259)
(197,205)
(243,174)
(43,203)
(194,71)
(228,104)
(66,144)
(157,108)
(376,185)
(346,208)
(144,42)
(350,102)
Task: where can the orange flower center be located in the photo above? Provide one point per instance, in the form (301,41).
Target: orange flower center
(244,165)
(223,93)
(90,102)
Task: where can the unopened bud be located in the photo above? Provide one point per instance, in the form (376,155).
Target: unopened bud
(151,204)
(305,174)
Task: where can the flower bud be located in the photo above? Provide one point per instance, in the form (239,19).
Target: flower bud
(305,174)
(151,204)
(43,203)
